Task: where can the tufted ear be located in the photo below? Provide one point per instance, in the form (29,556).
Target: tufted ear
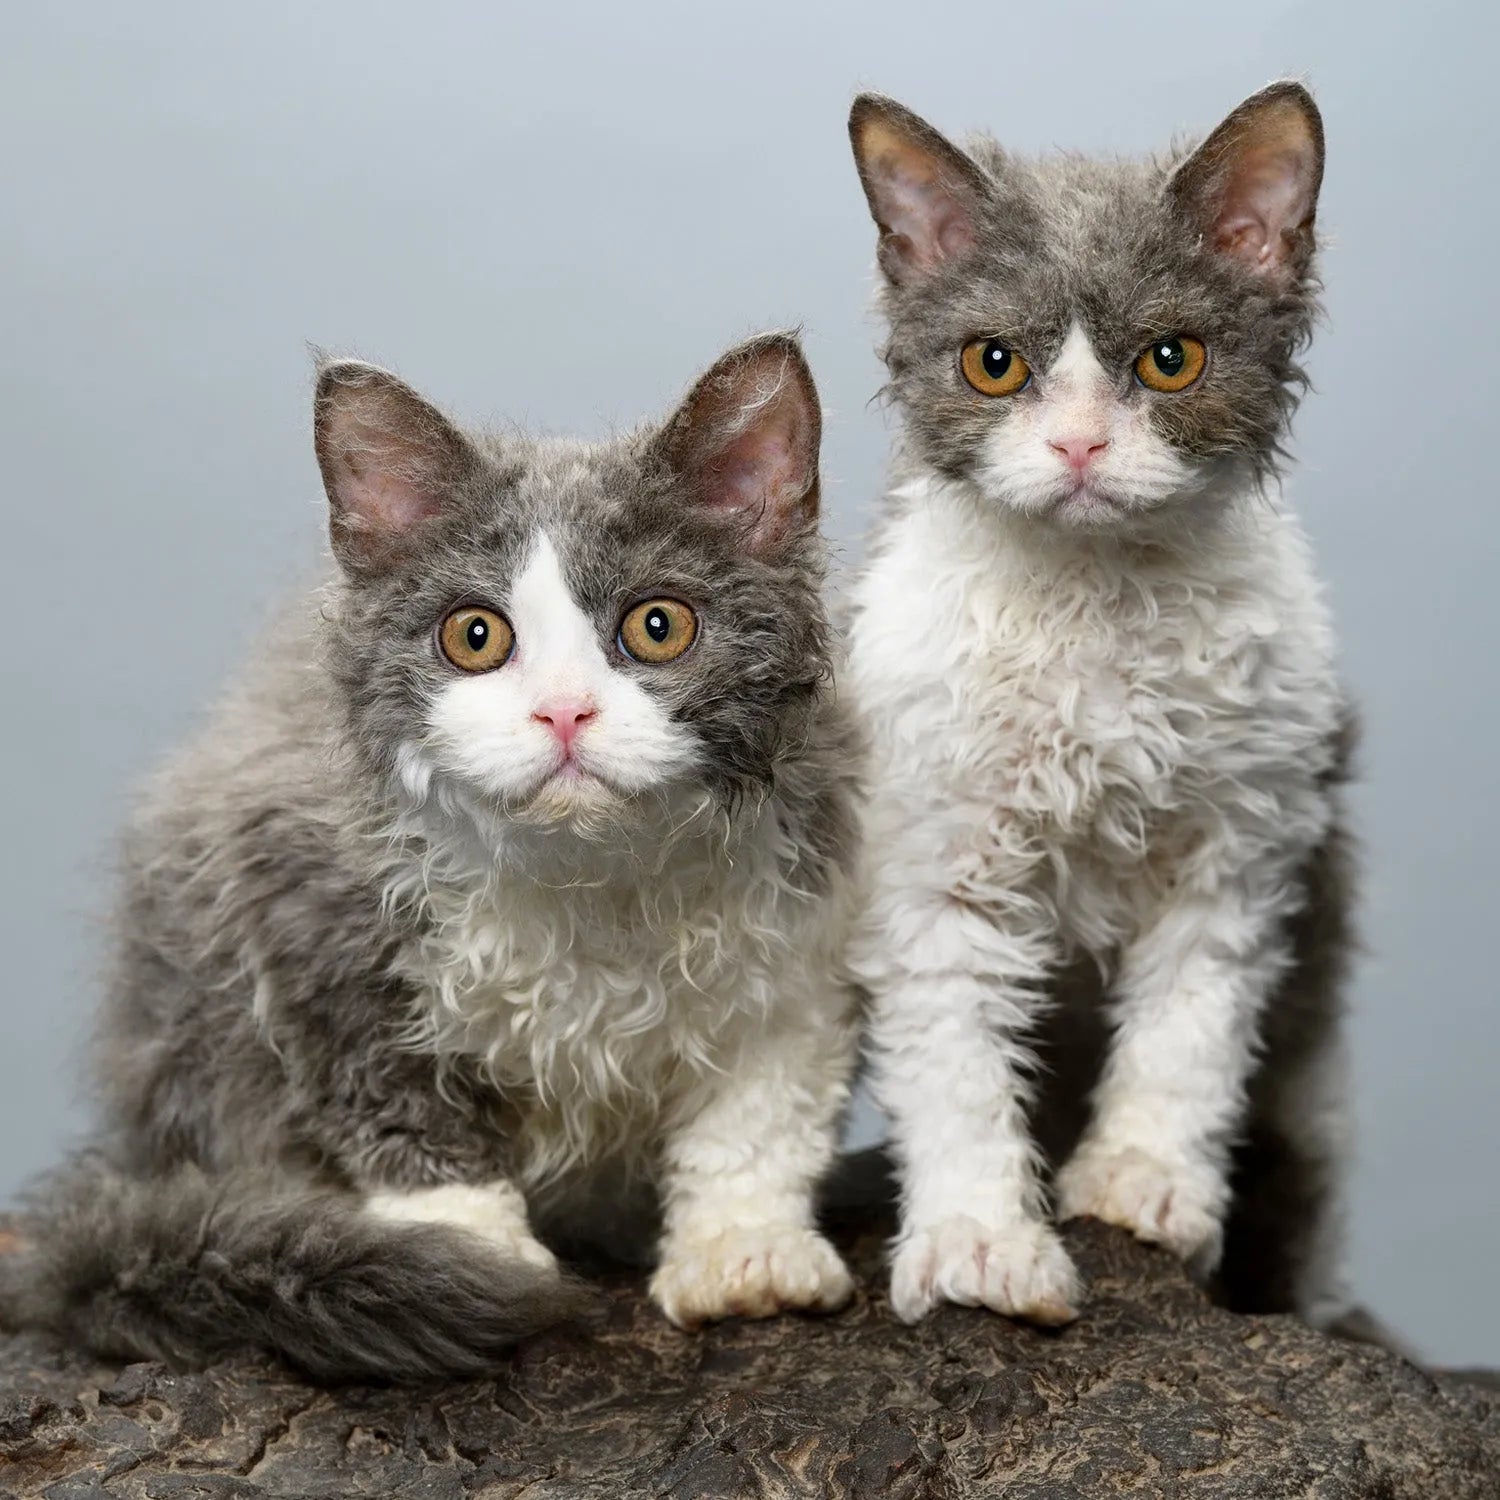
(389,462)
(745,441)
(1251,189)
(924,193)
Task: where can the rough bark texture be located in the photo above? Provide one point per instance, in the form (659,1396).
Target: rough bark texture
(1153,1392)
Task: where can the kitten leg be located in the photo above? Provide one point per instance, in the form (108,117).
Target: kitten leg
(495,1211)
(741,1169)
(1155,1158)
(951,1069)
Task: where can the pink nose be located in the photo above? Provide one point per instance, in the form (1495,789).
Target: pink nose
(1079,452)
(565,719)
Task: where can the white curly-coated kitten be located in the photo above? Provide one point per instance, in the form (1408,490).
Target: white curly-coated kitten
(1104,836)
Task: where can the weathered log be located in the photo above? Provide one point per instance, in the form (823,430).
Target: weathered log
(1153,1392)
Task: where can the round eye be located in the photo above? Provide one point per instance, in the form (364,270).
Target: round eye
(994,370)
(1171,364)
(658,630)
(476,640)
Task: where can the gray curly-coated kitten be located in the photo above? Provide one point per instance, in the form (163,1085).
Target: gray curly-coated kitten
(1107,917)
(505,886)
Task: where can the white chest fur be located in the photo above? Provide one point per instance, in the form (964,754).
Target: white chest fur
(598,987)
(1059,717)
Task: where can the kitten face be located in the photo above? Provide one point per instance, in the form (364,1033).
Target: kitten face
(563,719)
(557,630)
(1097,343)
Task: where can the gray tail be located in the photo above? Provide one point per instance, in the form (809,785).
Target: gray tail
(189,1268)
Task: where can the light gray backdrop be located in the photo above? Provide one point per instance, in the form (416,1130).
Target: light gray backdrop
(558,213)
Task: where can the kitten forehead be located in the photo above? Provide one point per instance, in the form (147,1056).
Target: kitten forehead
(1076,365)
(1102,252)
(552,629)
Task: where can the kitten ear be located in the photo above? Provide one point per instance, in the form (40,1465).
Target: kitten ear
(389,461)
(745,441)
(924,193)
(1252,187)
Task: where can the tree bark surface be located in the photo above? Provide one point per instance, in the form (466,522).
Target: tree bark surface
(1153,1392)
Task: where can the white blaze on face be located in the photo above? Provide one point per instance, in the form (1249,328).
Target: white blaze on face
(1077,400)
(1079,395)
(487,728)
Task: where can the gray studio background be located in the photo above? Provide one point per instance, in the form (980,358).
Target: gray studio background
(557,214)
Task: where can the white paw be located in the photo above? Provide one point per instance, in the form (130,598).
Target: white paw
(1018,1269)
(496,1212)
(1178,1206)
(749,1273)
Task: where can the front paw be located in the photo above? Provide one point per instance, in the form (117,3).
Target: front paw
(749,1273)
(1019,1269)
(1176,1205)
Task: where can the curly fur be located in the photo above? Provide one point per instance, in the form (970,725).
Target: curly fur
(184,1267)
(385,957)
(1108,732)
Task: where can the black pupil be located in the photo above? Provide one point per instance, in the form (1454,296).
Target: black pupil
(1170,356)
(477,636)
(658,626)
(995,359)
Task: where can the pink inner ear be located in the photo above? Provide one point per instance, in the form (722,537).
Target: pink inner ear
(765,472)
(1267,197)
(924,214)
(744,444)
(914,201)
(373,489)
(751,472)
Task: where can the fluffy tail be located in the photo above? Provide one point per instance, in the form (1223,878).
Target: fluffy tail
(189,1268)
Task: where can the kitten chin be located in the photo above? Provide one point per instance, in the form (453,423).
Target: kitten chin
(585,806)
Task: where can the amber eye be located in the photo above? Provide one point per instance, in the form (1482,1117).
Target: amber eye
(476,639)
(994,370)
(658,630)
(1171,364)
